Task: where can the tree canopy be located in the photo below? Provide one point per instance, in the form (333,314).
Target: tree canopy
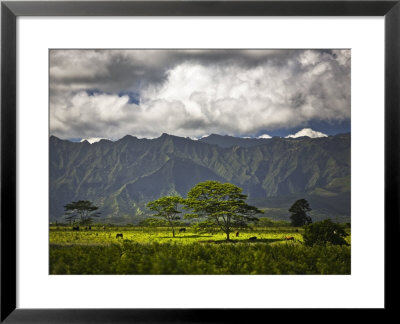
(222,204)
(82,209)
(167,209)
(299,211)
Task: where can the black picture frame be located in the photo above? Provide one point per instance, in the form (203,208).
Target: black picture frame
(10,10)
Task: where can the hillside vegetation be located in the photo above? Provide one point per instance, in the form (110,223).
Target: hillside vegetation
(121,177)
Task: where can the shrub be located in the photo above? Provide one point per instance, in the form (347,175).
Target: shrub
(321,233)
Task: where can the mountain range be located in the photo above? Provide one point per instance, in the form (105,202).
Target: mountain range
(122,176)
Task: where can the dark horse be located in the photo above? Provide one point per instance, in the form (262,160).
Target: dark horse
(119,235)
(182,230)
(75,228)
(289,238)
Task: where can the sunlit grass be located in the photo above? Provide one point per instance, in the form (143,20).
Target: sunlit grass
(64,235)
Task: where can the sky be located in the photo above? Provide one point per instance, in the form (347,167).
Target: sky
(193,93)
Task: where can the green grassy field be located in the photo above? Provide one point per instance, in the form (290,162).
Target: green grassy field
(145,250)
(64,235)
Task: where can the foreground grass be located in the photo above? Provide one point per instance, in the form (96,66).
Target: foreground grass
(154,251)
(197,258)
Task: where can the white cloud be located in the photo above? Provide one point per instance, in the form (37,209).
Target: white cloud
(194,93)
(264,136)
(307,132)
(92,140)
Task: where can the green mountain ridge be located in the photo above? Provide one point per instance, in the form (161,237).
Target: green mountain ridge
(122,176)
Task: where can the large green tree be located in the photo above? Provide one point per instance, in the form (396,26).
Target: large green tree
(82,209)
(299,211)
(222,204)
(167,209)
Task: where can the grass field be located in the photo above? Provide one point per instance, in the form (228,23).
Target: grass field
(64,235)
(145,250)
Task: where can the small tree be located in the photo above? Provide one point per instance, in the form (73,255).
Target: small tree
(299,211)
(321,233)
(222,204)
(82,209)
(167,209)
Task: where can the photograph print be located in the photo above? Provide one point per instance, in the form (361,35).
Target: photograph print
(199,161)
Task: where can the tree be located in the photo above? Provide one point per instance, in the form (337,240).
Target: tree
(321,233)
(299,211)
(82,209)
(167,209)
(222,204)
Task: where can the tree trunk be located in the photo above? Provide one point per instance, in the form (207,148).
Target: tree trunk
(228,227)
(172,227)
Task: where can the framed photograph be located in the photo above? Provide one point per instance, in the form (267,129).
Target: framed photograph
(186,161)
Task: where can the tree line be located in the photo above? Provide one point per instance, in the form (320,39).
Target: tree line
(220,206)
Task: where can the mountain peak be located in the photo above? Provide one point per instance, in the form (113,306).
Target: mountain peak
(54,138)
(127,138)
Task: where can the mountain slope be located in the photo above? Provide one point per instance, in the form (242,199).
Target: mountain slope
(229,141)
(122,176)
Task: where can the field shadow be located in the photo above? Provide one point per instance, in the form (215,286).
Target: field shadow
(218,241)
(266,240)
(187,236)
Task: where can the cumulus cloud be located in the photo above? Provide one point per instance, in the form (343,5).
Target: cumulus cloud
(195,92)
(307,132)
(264,136)
(92,140)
